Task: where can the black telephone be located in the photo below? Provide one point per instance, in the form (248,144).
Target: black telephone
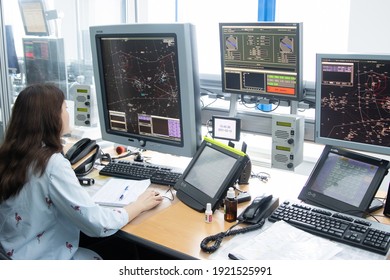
(260,207)
(79,151)
(255,214)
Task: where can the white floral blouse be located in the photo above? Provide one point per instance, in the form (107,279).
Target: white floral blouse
(45,219)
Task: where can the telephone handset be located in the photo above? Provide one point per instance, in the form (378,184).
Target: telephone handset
(257,210)
(80,149)
(82,156)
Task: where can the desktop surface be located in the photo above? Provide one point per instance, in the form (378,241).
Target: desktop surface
(177,227)
(177,230)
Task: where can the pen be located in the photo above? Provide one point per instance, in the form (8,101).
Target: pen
(123,194)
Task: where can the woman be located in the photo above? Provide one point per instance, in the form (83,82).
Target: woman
(43,208)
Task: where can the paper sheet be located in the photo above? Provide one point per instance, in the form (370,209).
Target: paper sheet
(282,241)
(120,192)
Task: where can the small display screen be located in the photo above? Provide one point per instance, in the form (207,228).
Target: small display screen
(82,90)
(209,171)
(286,124)
(283,148)
(226,128)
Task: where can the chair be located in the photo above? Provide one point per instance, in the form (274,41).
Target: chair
(3,254)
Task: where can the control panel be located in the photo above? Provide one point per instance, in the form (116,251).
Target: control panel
(83,105)
(287,141)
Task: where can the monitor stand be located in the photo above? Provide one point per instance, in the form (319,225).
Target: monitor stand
(376,204)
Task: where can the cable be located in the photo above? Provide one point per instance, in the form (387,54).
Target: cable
(172,197)
(205,106)
(217,238)
(262,176)
(105,156)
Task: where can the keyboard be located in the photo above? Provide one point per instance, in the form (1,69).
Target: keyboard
(343,228)
(127,169)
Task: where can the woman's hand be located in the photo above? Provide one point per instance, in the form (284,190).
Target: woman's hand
(147,200)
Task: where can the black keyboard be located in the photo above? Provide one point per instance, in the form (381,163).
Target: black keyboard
(127,169)
(347,229)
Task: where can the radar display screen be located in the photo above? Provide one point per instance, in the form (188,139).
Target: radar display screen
(142,85)
(355,100)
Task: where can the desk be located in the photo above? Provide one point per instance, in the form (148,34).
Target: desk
(176,229)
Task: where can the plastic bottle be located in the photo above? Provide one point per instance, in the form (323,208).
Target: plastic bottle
(208,214)
(231,206)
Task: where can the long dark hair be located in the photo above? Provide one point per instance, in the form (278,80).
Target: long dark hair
(32,137)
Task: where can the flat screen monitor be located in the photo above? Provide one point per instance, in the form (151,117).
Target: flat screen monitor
(34,17)
(344,181)
(214,168)
(147,86)
(353,101)
(262,59)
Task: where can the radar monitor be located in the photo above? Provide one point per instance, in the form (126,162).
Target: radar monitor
(147,86)
(353,102)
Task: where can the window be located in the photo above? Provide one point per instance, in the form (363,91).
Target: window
(325,27)
(207,15)
(335,26)
(331,26)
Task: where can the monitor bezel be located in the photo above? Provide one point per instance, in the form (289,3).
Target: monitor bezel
(299,95)
(192,195)
(188,85)
(311,196)
(377,149)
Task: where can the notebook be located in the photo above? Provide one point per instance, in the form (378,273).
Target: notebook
(120,192)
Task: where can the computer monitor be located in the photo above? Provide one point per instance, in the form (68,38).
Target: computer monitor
(214,168)
(353,102)
(44,60)
(147,86)
(34,17)
(262,59)
(344,181)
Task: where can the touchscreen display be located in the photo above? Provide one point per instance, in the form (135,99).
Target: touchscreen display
(209,171)
(344,179)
